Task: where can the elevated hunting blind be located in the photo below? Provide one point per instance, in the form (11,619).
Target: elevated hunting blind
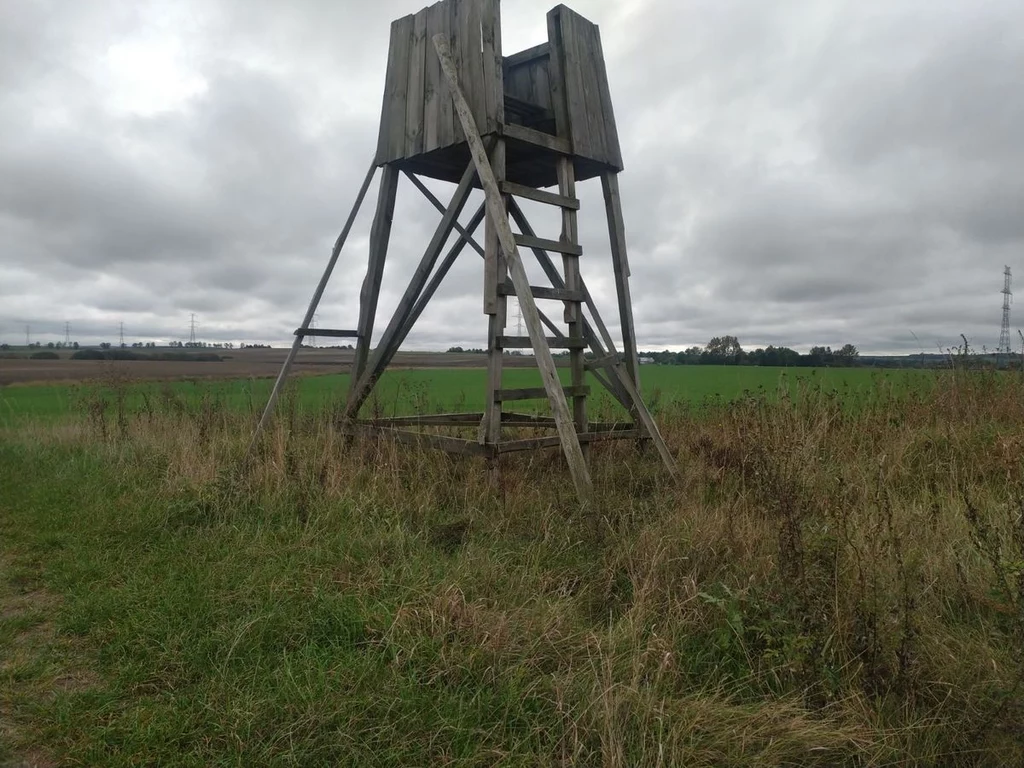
(457,110)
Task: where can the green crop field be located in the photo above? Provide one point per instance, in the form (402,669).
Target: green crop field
(837,579)
(433,390)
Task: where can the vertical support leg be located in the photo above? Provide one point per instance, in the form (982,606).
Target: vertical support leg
(573,309)
(620,263)
(495,307)
(380,234)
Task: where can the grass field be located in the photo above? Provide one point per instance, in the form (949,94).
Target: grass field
(441,389)
(837,580)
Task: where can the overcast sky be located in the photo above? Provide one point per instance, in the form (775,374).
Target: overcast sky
(797,173)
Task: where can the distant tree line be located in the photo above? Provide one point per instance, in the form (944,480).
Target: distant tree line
(726,350)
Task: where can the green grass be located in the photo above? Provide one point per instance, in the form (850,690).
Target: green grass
(402,392)
(827,586)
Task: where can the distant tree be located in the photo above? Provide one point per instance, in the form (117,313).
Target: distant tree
(74,345)
(455,350)
(722,349)
(848,354)
(105,345)
(5,345)
(50,345)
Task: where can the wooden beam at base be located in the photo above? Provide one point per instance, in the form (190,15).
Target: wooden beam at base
(420,439)
(528,241)
(428,420)
(327,332)
(524,342)
(539,195)
(533,443)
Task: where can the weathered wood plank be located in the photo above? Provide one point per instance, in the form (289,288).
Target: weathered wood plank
(380,234)
(556,64)
(620,267)
(439,22)
(534,443)
(536,393)
(417,80)
(579,46)
(490,36)
(495,306)
(427,420)
(554,342)
(433,85)
(397,126)
(387,101)
(455,45)
(573,77)
(613,151)
(573,313)
(531,193)
(543,292)
(498,214)
(537,138)
(419,439)
(558,246)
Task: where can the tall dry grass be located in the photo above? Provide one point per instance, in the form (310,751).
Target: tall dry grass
(827,585)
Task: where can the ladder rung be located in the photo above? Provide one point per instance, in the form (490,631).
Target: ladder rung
(528,241)
(537,393)
(530,193)
(554,342)
(327,332)
(542,292)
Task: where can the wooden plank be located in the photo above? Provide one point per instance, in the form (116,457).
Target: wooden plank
(557,78)
(542,292)
(439,22)
(419,439)
(490,36)
(558,246)
(531,193)
(313,303)
(455,45)
(588,123)
(602,362)
(498,214)
(572,77)
(397,126)
(541,84)
(537,138)
(495,307)
(541,51)
(470,31)
(433,85)
(554,342)
(536,393)
(387,102)
(327,332)
(428,420)
(534,443)
(391,338)
(380,234)
(573,314)
(613,151)
(417,79)
(620,266)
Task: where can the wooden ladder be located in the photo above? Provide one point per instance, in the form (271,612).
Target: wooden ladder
(498,288)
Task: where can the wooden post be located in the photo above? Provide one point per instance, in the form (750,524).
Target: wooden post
(620,264)
(573,310)
(387,347)
(380,234)
(496,309)
(314,303)
(498,215)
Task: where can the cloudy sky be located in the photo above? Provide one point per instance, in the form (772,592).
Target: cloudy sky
(798,173)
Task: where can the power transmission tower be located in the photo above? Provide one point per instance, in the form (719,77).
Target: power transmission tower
(28,335)
(192,331)
(519,319)
(67,334)
(122,333)
(1004,333)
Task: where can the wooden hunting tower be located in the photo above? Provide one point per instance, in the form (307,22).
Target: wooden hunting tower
(456,109)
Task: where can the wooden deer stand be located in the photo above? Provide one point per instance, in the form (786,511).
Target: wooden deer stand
(456,109)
